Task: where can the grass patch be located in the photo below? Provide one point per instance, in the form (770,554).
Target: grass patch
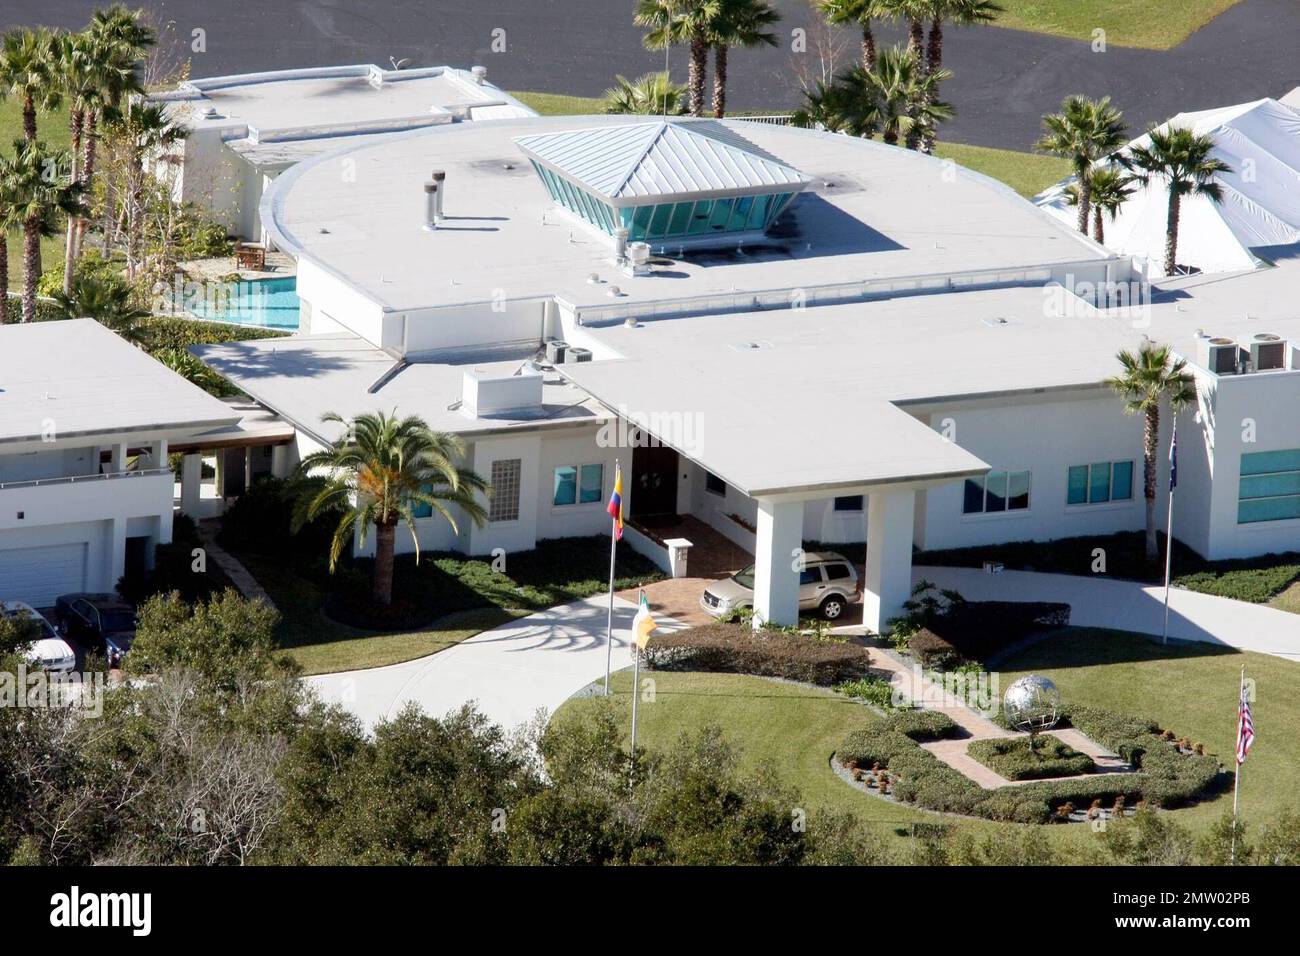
(559,104)
(1011,758)
(1026,173)
(52,128)
(1140,23)
(1256,580)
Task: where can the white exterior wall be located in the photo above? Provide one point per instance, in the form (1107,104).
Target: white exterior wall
(216,178)
(1046,437)
(335,306)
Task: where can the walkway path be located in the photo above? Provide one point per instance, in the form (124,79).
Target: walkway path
(1130,606)
(510,672)
(239,575)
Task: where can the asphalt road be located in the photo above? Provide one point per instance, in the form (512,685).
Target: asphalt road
(1004,79)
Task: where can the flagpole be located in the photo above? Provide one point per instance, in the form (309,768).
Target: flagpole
(1169,533)
(636,692)
(1236,785)
(609,622)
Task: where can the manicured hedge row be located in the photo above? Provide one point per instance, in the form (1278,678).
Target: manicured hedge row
(1165,777)
(732,648)
(1010,757)
(973,630)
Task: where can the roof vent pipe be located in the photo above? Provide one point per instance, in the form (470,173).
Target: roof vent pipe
(479,73)
(440,180)
(430,207)
(620,245)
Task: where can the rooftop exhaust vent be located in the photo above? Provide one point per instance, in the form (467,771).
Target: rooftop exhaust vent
(1216,353)
(1265,351)
(501,394)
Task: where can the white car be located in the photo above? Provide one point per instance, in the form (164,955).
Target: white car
(50,651)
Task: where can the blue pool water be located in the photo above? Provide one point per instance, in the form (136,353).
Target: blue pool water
(269,303)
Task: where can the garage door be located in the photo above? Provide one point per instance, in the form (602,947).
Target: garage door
(39,575)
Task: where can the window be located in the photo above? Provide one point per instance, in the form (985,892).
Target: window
(997,491)
(849,503)
(1270,486)
(422,509)
(838,572)
(714,484)
(578,484)
(504,505)
(810,576)
(1099,482)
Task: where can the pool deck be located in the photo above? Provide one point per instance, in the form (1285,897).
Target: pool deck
(279,265)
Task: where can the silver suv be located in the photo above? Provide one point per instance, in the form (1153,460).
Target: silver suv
(828,584)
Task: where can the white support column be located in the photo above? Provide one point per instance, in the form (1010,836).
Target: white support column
(888,581)
(282,464)
(776,583)
(116,552)
(191,484)
(117,462)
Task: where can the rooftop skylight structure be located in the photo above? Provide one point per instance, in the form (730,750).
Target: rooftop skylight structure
(686,182)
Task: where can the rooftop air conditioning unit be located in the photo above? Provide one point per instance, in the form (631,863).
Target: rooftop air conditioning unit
(1218,354)
(555,351)
(1265,351)
(576,353)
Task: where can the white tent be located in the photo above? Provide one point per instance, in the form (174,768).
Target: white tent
(1261,196)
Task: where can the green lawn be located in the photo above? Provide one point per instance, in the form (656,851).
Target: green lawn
(321,646)
(1026,173)
(53,129)
(1156,24)
(558,104)
(1189,688)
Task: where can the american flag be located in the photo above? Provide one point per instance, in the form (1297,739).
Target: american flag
(1245,726)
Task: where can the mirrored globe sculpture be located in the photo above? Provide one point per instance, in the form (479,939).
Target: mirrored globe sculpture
(1032,704)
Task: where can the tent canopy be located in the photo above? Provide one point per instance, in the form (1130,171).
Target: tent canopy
(1260,141)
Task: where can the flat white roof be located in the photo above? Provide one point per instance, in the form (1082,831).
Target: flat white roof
(808,399)
(301,104)
(84,380)
(301,377)
(872,212)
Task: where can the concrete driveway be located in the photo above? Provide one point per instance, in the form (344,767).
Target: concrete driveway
(511,671)
(1130,606)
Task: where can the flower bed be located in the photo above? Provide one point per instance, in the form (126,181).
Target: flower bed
(1166,776)
(1012,758)
(732,648)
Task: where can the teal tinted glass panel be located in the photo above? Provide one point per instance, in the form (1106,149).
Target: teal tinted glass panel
(1099,482)
(1077,486)
(758,212)
(721,214)
(566,486)
(590,483)
(422,509)
(1017,491)
(973,496)
(659,221)
(778,204)
(1121,483)
(740,214)
(1268,509)
(625,218)
(1270,486)
(641,221)
(700,217)
(1263,462)
(681,218)
(995,491)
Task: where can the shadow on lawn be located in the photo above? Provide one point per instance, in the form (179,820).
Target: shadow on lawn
(1093,647)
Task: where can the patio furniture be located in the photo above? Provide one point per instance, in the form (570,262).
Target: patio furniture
(250,256)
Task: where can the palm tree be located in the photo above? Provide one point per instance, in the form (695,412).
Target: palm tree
(376,473)
(961,13)
(8,224)
(1082,132)
(119,41)
(905,96)
(108,302)
(147,131)
(857,13)
(847,105)
(1184,160)
(653,93)
(35,198)
(29,65)
(1151,377)
(739,23)
(674,22)
(85,80)
(1111,188)
(915,13)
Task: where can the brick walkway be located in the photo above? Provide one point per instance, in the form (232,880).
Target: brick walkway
(239,575)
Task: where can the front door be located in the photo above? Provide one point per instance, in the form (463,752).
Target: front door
(654,481)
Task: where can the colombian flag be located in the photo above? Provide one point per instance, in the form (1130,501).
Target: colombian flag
(643,624)
(615,508)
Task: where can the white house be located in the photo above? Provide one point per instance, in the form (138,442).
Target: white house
(243,131)
(87,421)
(827,338)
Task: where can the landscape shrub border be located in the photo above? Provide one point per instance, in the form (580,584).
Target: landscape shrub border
(1009,757)
(1164,778)
(736,648)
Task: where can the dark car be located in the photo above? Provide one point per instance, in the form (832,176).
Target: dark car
(97,622)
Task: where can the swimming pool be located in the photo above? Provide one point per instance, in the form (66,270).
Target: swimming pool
(268,303)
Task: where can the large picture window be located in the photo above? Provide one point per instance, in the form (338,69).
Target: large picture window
(1270,486)
(578,484)
(998,491)
(1100,482)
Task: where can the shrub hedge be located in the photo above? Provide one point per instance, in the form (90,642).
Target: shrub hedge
(974,630)
(1011,757)
(1165,777)
(731,648)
